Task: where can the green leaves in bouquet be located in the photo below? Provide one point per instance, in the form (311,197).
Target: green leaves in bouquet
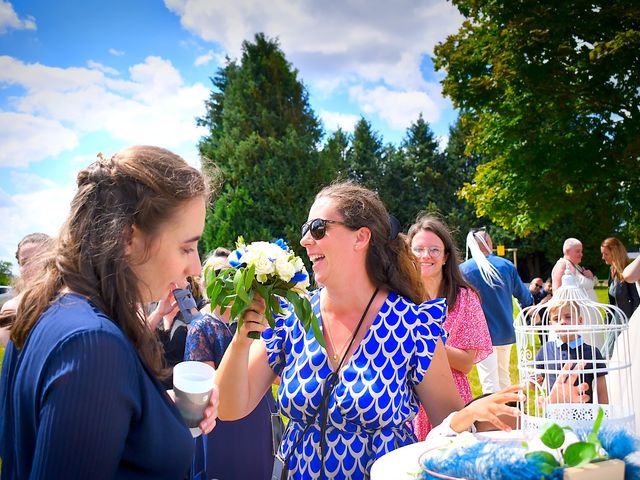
(304,312)
(236,287)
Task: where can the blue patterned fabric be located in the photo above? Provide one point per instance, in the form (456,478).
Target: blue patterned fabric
(374,399)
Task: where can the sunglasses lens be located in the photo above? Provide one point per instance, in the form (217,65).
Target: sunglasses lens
(318,228)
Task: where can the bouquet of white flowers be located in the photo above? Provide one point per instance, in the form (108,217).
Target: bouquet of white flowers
(272,270)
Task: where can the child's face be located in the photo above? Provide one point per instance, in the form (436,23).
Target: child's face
(567,315)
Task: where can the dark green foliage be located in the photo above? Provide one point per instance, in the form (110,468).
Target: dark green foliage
(263,138)
(364,157)
(5,273)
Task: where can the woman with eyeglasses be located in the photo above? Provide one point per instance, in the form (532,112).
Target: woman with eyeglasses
(468,339)
(351,402)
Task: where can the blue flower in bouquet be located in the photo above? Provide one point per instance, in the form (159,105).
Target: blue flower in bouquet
(272,270)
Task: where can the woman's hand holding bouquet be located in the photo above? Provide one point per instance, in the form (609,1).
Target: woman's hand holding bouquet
(270,269)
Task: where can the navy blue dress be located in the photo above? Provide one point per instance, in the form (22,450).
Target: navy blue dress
(241,449)
(77,402)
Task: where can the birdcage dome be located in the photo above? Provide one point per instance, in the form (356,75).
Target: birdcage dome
(574,357)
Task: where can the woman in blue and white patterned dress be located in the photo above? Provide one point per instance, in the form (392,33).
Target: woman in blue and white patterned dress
(396,359)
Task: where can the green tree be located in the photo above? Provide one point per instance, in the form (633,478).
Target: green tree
(334,154)
(550,93)
(431,187)
(262,138)
(460,168)
(364,157)
(5,272)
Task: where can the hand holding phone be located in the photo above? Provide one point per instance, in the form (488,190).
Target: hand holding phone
(186,303)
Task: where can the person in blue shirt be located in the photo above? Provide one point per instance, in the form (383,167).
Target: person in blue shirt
(79,394)
(497,282)
(569,345)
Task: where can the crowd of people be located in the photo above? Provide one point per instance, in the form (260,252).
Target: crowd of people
(85,390)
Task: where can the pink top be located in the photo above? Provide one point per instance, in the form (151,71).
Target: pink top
(467,330)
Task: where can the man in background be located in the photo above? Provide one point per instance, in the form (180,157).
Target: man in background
(496,280)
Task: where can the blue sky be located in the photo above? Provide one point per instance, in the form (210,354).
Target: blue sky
(82,77)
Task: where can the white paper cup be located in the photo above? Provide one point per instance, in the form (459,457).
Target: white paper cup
(192,385)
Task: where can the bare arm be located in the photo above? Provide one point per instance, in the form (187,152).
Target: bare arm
(439,397)
(459,359)
(244,375)
(436,391)
(632,272)
(603,394)
(556,275)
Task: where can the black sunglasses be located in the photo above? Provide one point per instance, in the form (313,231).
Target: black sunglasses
(317,227)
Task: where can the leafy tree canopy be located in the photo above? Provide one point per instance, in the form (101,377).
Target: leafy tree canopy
(550,92)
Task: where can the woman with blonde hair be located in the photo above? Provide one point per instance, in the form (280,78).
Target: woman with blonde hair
(622,294)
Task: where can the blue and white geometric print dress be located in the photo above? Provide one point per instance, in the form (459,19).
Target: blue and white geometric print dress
(374,398)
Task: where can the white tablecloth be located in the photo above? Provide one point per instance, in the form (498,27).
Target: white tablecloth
(403,463)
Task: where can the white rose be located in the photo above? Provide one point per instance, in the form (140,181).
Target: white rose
(258,258)
(298,264)
(285,269)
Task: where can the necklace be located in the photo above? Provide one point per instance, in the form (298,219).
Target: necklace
(338,354)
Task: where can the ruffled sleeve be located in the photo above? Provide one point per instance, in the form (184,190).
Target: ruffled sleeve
(427,329)
(467,325)
(277,339)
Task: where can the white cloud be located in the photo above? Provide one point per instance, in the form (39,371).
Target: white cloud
(339,44)
(334,120)
(38,211)
(61,104)
(27,182)
(399,109)
(376,40)
(26,138)
(9,19)
(103,68)
(116,53)
(207,58)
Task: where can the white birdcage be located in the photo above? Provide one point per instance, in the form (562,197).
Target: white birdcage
(572,337)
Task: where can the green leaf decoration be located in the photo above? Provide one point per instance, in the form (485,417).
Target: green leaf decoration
(546,462)
(217,290)
(598,422)
(579,453)
(552,436)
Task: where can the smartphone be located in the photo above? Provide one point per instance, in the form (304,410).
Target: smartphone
(186,302)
